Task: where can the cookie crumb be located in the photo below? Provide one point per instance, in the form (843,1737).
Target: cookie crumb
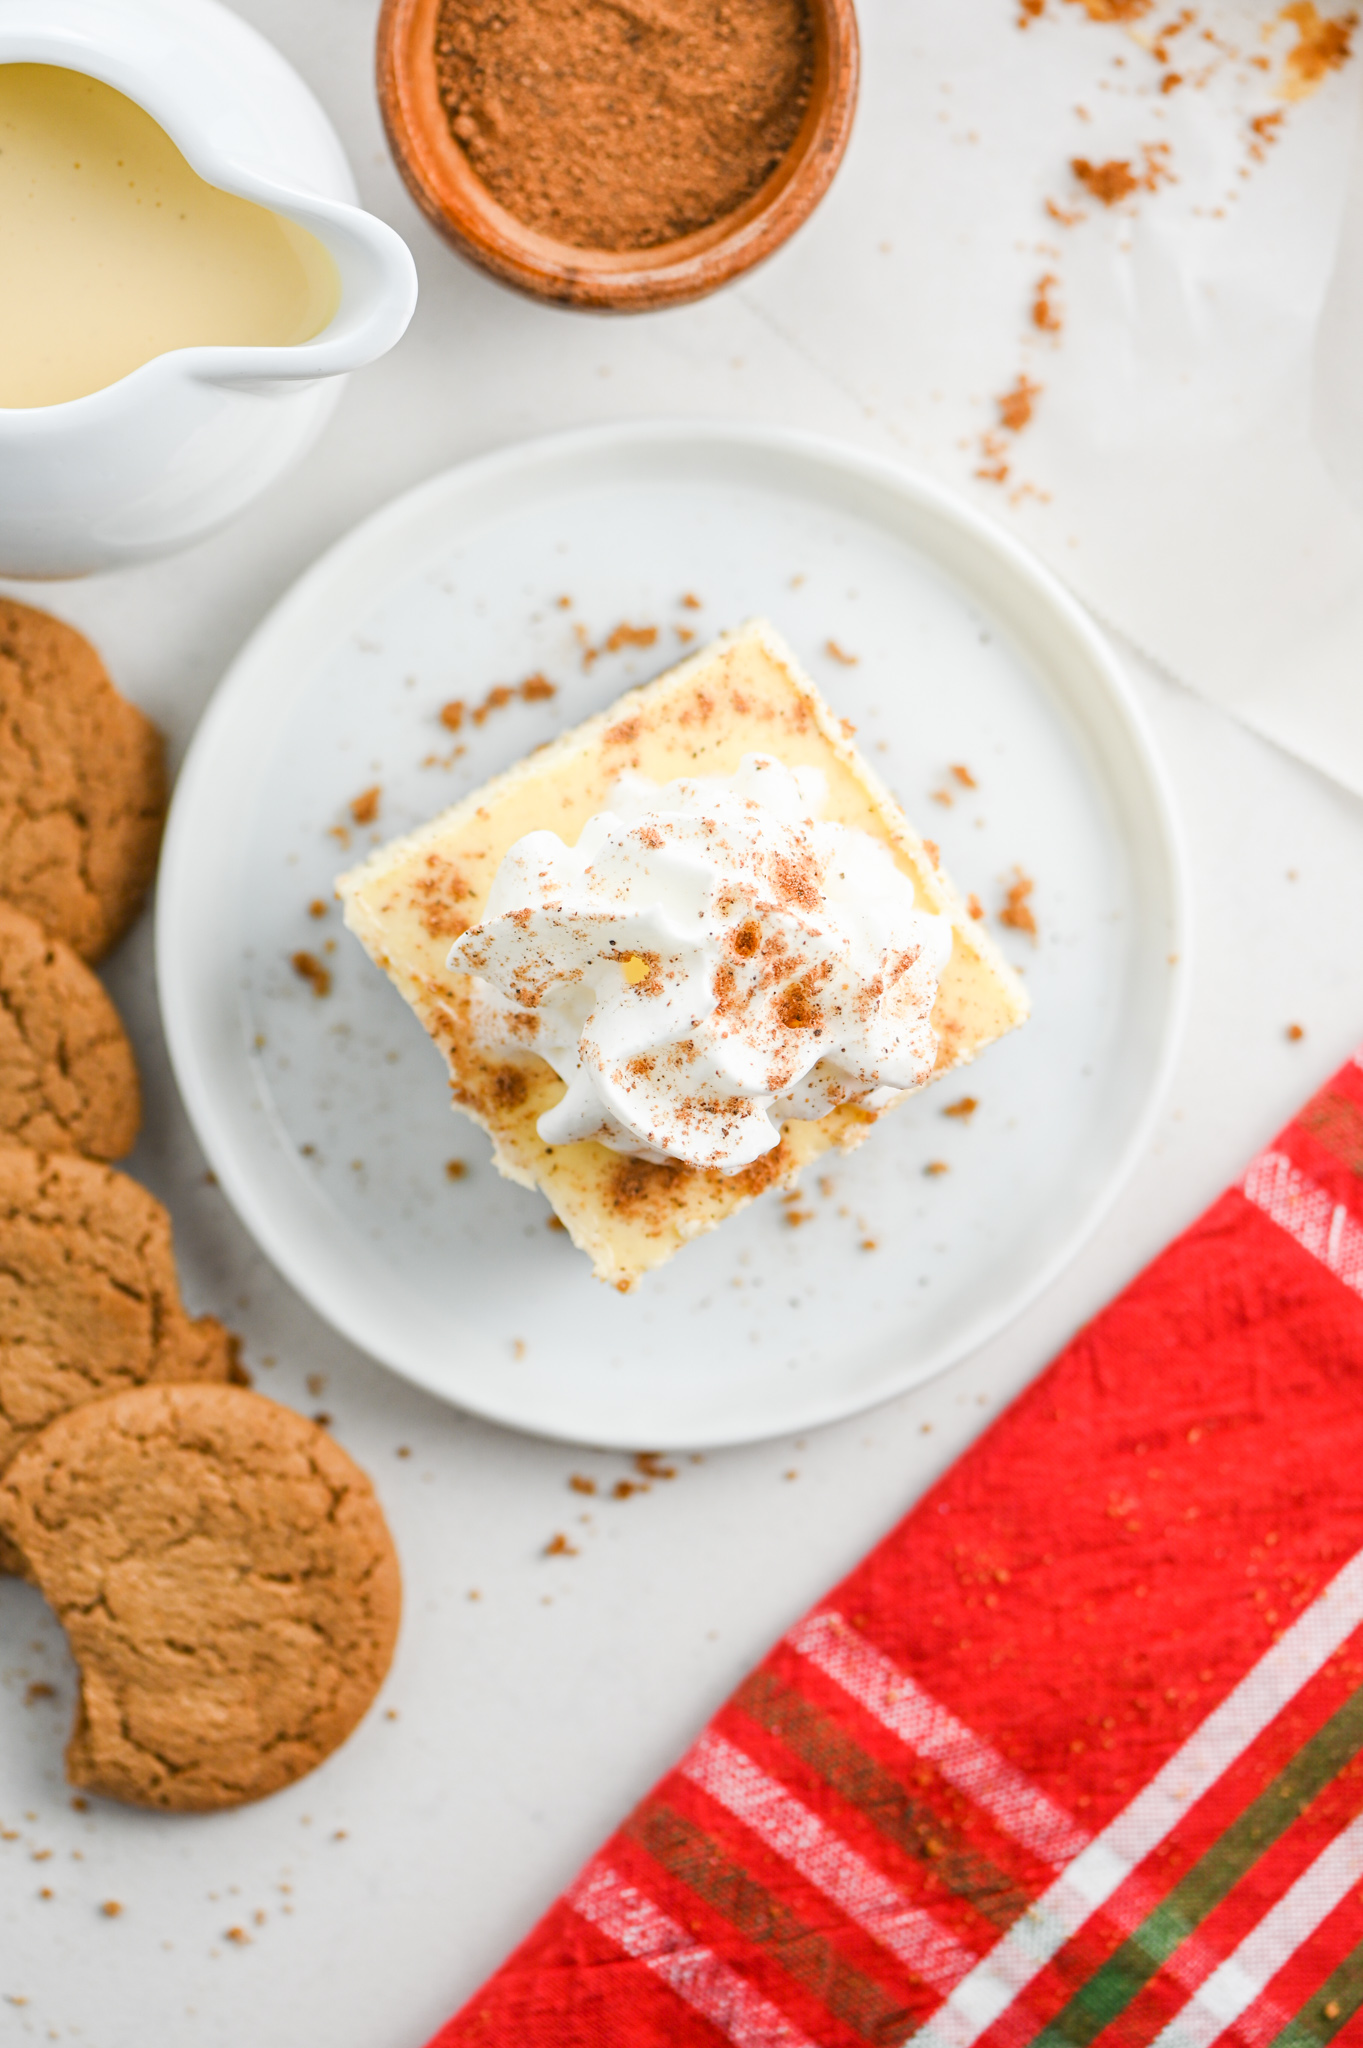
(934,1167)
(650,1464)
(967,1106)
(631,636)
(1294,1032)
(364,808)
(80,1804)
(559,1546)
(451,715)
(1017,912)
(963,775)
(39,1690)
(455,1169)
(309,968)
(555,1223)
(1017,405)
(111,1908)
(870,1244)
(841,654)
(404,1451)
(624,1488)
(1045,316)
(239,1936)
(690,602)
(316,1384)
(580,1483)
(1108,183)
(317,908)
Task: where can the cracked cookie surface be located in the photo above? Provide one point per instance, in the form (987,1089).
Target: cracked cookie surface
(227,1582)
(68,1079)
(89,1298)
(82,785)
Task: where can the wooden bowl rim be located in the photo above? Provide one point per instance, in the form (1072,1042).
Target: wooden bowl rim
(460,207)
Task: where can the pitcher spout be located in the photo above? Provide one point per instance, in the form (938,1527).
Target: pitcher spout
(376,296)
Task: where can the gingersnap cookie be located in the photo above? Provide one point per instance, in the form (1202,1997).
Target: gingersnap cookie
(227,1582)
(89,1299)
(82,785)
(68,1079)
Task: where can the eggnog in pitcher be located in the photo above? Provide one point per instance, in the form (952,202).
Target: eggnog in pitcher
(112,250)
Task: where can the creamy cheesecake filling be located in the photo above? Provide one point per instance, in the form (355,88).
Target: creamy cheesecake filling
(709,960)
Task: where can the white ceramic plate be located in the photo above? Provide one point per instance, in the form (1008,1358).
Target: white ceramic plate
(327,1120)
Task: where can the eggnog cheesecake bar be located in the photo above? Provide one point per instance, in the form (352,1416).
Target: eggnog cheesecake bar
(678,954)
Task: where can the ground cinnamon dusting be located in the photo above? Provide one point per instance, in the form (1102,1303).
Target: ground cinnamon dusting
(624,126)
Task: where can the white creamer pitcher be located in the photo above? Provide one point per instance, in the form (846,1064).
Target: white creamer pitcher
(186,441)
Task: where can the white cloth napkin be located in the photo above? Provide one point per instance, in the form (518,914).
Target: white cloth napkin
(1193,463)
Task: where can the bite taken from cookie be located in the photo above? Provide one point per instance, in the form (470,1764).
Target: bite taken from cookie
(226,1580)
(89,1297)
(68,1079)
(82,785)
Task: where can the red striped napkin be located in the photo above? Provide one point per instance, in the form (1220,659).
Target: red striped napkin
(1078,1750)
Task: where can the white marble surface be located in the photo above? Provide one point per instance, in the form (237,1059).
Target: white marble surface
(528,1720)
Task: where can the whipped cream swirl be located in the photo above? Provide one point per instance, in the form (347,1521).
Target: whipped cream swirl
(710,959)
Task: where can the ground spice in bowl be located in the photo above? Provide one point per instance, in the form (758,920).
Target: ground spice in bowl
(623,124)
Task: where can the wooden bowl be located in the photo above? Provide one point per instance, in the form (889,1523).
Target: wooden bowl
(456,202)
